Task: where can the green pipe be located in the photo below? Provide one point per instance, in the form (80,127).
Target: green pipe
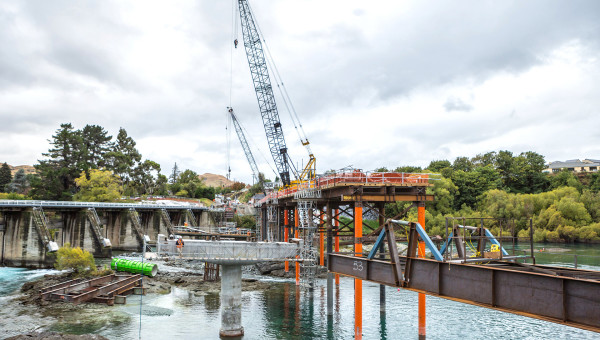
(135,267)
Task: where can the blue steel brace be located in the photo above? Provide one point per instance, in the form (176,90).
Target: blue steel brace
(377,244)
(425,238)
(445,246)
(436,253)
(494,241)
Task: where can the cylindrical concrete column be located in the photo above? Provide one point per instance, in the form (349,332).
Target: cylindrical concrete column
(231,301)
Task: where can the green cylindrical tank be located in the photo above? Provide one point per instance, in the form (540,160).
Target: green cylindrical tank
(135,267)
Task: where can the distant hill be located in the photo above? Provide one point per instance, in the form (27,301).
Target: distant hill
(218,181)
(28,169)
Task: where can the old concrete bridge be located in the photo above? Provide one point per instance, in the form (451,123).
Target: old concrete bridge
(29,229)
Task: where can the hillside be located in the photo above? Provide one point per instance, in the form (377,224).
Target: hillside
(28,169)
(217,181)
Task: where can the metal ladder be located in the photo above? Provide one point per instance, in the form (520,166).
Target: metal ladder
(164,214)
(137,225)
(94,219)
(190,217)
(308,254)
(258,229)
(41,225)
(271,221)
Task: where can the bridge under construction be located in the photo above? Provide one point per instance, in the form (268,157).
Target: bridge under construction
(489,273)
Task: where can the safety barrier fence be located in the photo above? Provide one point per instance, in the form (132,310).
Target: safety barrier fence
(352,177)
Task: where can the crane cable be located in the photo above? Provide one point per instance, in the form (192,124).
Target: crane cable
(234,34)
(282,89)
(229,122)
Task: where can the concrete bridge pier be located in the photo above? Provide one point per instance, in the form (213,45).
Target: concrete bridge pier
(231,301)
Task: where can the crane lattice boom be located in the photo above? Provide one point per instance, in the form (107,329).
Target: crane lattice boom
(264,93)
(245,146)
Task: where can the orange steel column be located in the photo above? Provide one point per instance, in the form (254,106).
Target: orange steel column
(421,254)
(297,236)
(322,241)
(286,232)
(358,224)
(336,243)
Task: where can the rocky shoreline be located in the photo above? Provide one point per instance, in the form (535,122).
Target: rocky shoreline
(173,274)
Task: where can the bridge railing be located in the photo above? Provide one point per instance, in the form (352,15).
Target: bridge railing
(74,204)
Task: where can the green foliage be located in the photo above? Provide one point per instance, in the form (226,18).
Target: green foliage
(245,221)
(76,259)
(438,166)
(19,184)
(5,177)
(12,196)
(74,151)
(565,178)
(102,186)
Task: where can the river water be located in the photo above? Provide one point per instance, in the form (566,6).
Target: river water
(285,312)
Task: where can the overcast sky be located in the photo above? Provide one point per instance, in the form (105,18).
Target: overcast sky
(375,83)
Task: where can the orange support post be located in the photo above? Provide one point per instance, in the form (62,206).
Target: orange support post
(422,301)
(358,224)
(336,244)
(286,232)
(322,240)
(297,236)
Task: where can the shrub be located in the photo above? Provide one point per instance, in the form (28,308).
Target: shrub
(539,235)
(552,236)
(76,259)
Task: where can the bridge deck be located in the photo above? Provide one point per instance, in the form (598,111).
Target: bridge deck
(11,204)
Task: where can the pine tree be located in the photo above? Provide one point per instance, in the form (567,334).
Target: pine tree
(65,161)
(123,157)
(174,174)
(19,184)
(5,177)
(96,143)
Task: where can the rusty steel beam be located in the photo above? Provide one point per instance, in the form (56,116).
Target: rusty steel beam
(567,300)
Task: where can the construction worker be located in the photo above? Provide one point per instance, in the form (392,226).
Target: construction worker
(179,243)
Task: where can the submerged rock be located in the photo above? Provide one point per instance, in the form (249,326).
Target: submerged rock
(55,336)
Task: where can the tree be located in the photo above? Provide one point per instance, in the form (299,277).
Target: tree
(123,156)
(437,166)
(462,163)
(504,165)
(527,173)
(488,158)
(143,177)
(19,184)
(5,177)
(174,174)
(408,168)
(102,186)
(565,178)
(96,143)
(473,184)
(64,163)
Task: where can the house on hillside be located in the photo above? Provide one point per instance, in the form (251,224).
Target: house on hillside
(256,198)
(574,165)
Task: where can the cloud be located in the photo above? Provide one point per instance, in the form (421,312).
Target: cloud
(456,104)
(372,82)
